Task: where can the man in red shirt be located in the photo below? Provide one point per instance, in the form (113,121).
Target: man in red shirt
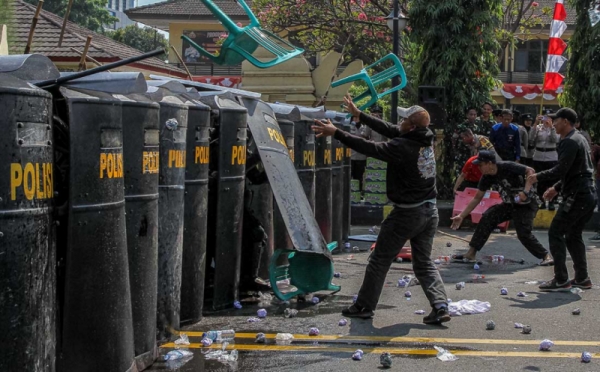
(469,177)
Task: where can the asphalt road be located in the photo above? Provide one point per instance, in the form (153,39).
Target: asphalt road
(395,327)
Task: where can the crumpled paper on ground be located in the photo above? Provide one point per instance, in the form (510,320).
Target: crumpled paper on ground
(468,307)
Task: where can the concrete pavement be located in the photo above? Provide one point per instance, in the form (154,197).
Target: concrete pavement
(395,327)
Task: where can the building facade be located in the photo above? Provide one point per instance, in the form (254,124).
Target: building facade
(117,9)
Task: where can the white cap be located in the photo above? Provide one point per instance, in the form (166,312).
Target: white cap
(407,112)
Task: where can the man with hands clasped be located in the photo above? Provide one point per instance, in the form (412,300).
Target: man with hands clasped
(411,188)
(574,173)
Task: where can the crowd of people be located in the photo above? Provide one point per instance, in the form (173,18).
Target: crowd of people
(530,163)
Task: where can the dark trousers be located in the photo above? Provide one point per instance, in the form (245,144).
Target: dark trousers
(542,186)
(522,216)
(565,234)
(358,170)
(418,225)
(527,161)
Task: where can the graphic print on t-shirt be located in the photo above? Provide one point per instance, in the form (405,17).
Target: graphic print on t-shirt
(426,162)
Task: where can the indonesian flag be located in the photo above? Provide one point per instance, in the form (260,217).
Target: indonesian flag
(556,47)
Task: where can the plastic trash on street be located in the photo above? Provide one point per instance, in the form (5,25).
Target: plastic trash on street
(385,359)
(586,357)
(206,342)
(526,330)
(546,345)
(342,322)
(237,305)
(503,291)
(182,340)
(518,325)
(260,338)
(253,320)
(358,354)
(521,294)
(444,355)
(420,312)
(314,331)
(460,285)
(261,313)
(284,338)
(576,312)
(290,313)
(468,307)
(315,300)
(490,325)
(178,354)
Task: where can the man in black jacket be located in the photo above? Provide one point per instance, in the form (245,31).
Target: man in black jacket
(411,187)
(574,173)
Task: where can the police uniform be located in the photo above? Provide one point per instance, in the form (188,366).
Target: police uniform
(574,173)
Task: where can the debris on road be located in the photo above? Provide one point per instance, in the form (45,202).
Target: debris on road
(253,320)
(468,307)
(546,345)
(358,354)
(460,285)
(182,340)
(290,313)
(260,338)
(354,298)
(402,283)
(476,267)
(342,322)
(261,313)
(178,354)
(206,342)
(521,294)
(444,355)
(490,325)
(337,275)
(314,331)
(407,294)
(503,291)
(576,312)
(526,330)
(586,357)
(385,360)
(448,244)
(576,290)
(237,305)
(518,325)
(420,312)
(315,300)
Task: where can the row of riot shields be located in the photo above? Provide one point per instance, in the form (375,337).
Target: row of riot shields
(127,208)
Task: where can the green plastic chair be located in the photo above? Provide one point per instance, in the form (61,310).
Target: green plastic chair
(243,41)
(376,79)
(308,272)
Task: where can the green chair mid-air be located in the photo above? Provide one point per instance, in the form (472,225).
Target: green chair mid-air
(376,79)
(243,41)
(308,272)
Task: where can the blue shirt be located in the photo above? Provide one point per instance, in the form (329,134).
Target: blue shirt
(507,141)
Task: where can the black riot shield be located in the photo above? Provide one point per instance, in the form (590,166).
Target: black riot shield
(140,117)
(281,238)
(172,163)
(287,189)
(337,189)
(27,238)
(195,212)
(347,185)
(141,157)
(195,200)
(97,317)
(323,182)
(226,199)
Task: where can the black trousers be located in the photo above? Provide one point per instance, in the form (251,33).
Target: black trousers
(358,170)
(522,216)
(418,225)
(540,166)
(565,235)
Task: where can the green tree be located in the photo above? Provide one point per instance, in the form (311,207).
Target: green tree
(458,51)
(91,14)
(145,39)
(582,85)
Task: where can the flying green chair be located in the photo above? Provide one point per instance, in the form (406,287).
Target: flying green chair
(373,81)
(243,41)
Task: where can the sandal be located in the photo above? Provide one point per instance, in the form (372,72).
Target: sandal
(547,262)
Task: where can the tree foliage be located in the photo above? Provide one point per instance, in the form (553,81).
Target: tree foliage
(356,26)
(458,46)
(91,14)
(521,19)
(145,39)
(582,85)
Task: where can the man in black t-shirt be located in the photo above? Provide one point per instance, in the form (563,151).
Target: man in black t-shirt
(519,203)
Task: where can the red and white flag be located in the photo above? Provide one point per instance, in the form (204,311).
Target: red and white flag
(556,47)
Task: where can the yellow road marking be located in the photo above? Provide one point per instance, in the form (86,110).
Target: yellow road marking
(395,351)
(301,337)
